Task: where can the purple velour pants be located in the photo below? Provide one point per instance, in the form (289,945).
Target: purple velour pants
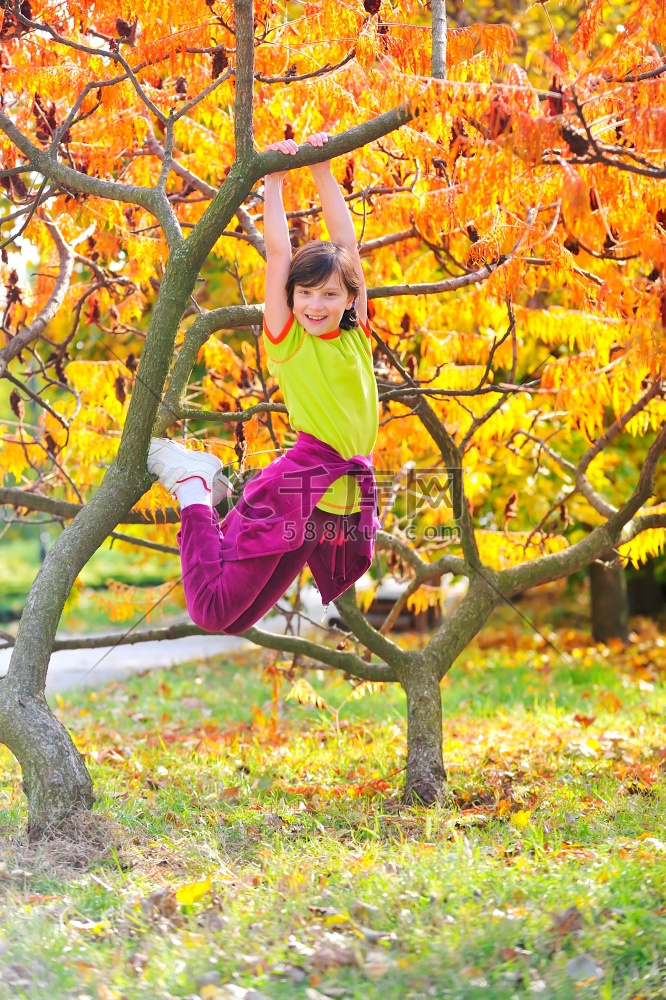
(231,595)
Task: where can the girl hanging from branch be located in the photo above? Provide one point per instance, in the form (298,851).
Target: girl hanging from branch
(316,504)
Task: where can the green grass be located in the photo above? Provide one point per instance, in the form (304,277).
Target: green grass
(556,800)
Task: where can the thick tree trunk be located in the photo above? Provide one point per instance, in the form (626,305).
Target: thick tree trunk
(55,779)
(608,597)
(426,776)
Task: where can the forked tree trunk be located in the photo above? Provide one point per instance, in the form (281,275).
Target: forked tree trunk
(608,598)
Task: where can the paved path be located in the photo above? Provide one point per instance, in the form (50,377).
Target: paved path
(70,668)
(92,668)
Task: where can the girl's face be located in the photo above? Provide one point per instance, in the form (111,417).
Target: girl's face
(319,308)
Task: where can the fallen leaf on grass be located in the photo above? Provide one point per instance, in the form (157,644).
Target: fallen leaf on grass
(509,954)
(191,703)
(566,922)
(333,956)
(296,973)
(361,909)
(193,891)
(138,962)
(212,919)
(378,962)
(583,969)
(610,702)
(162,902)
(584,720)
(521,818)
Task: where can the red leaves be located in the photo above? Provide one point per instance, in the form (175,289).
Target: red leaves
(11,27)
(289,132)
(12,290)
(372,6)
(16,404)
(119,387)
(46,120)
(348,179)
(510,509)
(220,63)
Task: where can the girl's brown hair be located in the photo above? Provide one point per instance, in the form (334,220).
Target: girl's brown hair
(314,263)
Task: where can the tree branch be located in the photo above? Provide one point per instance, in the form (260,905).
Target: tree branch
(438,65)
(340,659)
(244,104)
(583,484)
(618,528)
(42,163)
(41,321)
(253,235)
(363,630)
(14,497)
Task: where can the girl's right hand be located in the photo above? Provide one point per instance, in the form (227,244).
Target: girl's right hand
(287,146)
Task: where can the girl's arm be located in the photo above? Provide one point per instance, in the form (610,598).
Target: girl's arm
(338,218)
(278,246)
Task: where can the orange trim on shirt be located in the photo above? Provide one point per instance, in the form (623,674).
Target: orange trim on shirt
(365,327)
(330,336)
(280,337)
(282,361)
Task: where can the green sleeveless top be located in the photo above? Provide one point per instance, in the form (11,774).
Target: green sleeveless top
(330,391)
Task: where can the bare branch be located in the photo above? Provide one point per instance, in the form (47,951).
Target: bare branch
(204,93)
(41,321)
(14,497)
(252,234)
(366,249)
(327,68)
(171,550)
(233,416)
(617,529)
(341,659)
(595,499)
(363,630)
(485,417)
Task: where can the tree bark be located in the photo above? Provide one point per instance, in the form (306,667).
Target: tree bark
(426,776)
(55,779)
(608,598)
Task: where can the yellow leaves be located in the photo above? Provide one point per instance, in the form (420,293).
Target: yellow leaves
(367,43)
(424,598)
(491,246)
(575,199)
(500,550)
(521,818)
(220,358)
(340,20)
(96,381)
(365,687)
(494,40)
(303,692)
(192,892)
(122,602)
(650,542)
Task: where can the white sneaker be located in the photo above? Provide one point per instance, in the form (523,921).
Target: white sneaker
(173,463)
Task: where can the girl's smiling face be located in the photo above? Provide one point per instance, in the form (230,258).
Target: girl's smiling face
(320,308)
